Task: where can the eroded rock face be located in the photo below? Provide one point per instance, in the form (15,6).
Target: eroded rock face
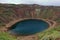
(11,12)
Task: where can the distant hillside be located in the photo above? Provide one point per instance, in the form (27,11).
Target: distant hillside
(10,12)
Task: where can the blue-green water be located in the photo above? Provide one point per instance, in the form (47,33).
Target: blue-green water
(27,27)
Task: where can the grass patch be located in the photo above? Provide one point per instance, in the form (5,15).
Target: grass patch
(6,36)
(50,34)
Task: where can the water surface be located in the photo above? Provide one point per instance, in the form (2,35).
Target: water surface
(27,27)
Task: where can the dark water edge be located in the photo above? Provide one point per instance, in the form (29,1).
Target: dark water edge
(28,27)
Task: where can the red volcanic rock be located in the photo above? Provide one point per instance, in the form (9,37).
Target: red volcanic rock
(57,39)
(57,14)
(4,20)
(26,11)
